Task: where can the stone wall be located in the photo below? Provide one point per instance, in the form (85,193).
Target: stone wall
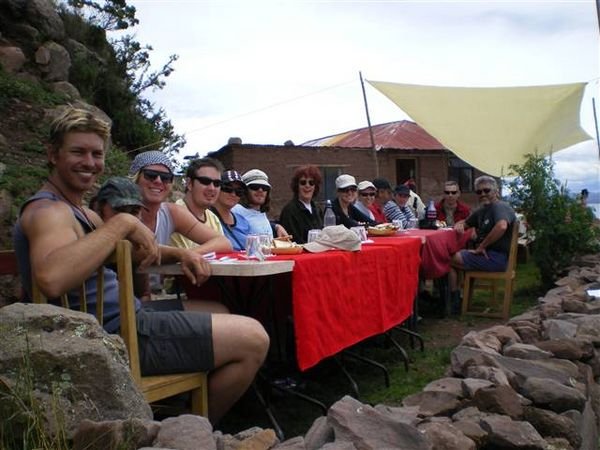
(530,384)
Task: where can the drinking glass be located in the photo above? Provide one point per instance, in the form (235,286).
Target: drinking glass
(266,244)
(360,232)
(313,235)
(398,224)
(253,246)
(413,223)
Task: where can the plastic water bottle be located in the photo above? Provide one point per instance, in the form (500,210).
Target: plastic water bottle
(329,216)
(431,211)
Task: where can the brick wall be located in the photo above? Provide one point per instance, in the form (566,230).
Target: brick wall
(279,163)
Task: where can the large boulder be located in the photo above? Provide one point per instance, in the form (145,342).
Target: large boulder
(68,365)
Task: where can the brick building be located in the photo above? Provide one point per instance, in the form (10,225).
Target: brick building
(404,150)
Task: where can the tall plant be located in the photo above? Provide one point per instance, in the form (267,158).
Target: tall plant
(563,228)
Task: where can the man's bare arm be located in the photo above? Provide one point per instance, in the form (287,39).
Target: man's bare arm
(62,257)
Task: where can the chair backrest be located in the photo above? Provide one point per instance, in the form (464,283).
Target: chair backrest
(512,253)
(121,257)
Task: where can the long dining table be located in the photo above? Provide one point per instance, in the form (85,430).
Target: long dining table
(339,298)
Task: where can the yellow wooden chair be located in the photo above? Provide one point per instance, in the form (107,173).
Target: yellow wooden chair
(491,281)
(156,387)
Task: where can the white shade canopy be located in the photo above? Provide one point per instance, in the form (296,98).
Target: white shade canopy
(492,128)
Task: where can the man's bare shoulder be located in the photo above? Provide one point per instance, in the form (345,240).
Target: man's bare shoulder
(46,212)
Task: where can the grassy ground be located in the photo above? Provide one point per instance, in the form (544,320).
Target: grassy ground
(327,383)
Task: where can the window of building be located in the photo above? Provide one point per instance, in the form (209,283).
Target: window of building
(328,190)
(461,172)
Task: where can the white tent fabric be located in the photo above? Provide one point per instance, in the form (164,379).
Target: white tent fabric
(492,128)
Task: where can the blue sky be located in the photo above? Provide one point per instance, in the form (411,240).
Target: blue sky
(269,71)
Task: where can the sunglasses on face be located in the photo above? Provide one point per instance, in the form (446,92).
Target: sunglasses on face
(305,182)
(450,192)
(231,190)
(483,191)
(256,187)
(367,194)
(347,189)
(150,175)
(205,181)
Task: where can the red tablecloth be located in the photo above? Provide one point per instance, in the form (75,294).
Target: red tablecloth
(438,248)
(341,298)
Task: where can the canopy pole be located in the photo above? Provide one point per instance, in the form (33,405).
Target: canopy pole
(596,125)
(374,149)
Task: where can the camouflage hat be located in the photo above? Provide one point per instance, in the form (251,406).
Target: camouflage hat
(120,191)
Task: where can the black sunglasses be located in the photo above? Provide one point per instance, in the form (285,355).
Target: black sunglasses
(256,187)
(348,189)
(483,191)
(367,194)
(205,181)
(231,190)
(450,192)
(305,182)
(150,175)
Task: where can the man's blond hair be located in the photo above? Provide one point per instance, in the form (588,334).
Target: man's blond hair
(77,120)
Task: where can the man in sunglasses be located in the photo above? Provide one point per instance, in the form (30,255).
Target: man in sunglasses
(450,209)
(202,188)
(60,242)
(492,222)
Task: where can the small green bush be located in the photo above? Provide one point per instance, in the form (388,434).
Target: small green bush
(563,228)
(12,87)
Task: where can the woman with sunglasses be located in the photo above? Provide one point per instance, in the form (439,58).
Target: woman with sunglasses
(153,173)
(255,204)
(343,206)
(366,197)
(301,213)
(235,226)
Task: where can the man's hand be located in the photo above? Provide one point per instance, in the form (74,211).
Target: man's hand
(195,267)
(460,226)
(144,242)
(480,251)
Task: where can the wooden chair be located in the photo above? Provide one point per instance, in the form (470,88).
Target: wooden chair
(156,387)
(491,280)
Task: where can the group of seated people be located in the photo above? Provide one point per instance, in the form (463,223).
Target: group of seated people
(60,242)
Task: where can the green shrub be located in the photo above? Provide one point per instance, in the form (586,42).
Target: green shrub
(563,228)
(12,87)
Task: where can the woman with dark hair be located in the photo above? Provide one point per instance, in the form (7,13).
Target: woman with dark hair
(301,213)
(255,203)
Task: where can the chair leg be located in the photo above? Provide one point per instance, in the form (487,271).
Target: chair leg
(467,292)
(508,293)
(200,401)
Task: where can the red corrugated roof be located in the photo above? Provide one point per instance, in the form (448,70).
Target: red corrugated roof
(404,135)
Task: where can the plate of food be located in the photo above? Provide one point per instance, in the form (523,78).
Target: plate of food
(383,229)
(285,246)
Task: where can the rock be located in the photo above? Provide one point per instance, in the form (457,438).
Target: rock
(115,434)
(472,385)
(320,433)
(296,443)
(11,59)
(449,384)
(563,348)
(552,394)
(433,403)
(54,61)
(186,432)
(526,351)
(73,363)
(445,436)
(472,430)
(368,428)
(550,424)
(558,329)
(498,399)
(507,434)
(65,88)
